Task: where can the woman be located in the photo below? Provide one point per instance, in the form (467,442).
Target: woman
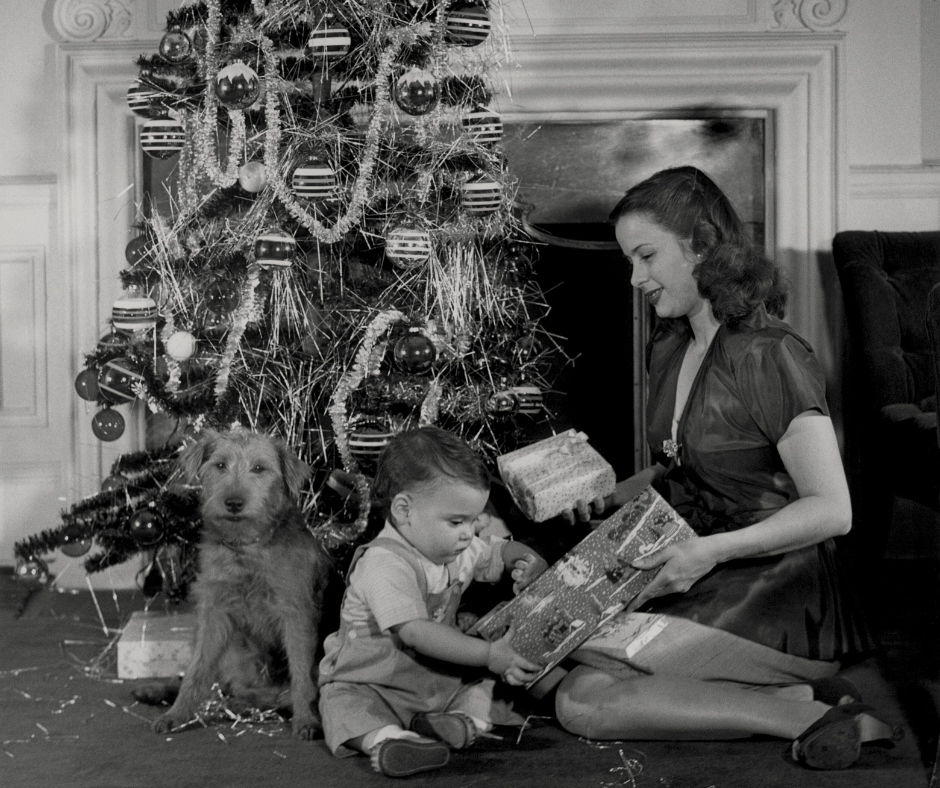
(742,629)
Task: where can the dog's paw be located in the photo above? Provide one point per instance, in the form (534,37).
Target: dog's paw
(163,693)
(167,722)
(309,728)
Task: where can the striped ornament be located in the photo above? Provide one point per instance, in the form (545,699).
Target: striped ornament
(330,43)
(480,196)
(467,25)
(162,138)
(367,439)
(142,100)
(483,126)
(314,180)
(116,380)
(134,314)
(275,249)
(530,399)
(408,248)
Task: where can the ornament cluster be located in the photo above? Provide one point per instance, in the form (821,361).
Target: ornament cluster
(340,261)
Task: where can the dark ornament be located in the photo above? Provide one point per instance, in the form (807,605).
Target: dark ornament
(146,527)
(414,353)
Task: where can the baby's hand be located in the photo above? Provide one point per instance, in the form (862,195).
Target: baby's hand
(526,569)
(507,663)
(585,511)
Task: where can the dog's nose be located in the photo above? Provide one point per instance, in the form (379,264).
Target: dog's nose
(234,504)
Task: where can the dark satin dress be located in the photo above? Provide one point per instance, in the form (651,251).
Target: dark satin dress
(754,380)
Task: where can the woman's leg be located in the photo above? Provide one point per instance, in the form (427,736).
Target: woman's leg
(596,705)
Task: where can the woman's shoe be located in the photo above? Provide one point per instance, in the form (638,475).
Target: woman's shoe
(404,757)
(835,740)
(835,691)
(454,727)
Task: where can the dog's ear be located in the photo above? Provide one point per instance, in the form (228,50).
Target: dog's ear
(294,471)
(193,457)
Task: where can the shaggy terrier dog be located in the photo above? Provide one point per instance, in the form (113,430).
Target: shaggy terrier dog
(260,587)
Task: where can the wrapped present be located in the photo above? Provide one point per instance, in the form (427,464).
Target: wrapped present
(156,645)
(587,587)
(548,477)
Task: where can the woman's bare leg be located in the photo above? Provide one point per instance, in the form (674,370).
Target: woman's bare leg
(596,705)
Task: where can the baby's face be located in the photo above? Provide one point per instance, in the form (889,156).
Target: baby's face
(441,517)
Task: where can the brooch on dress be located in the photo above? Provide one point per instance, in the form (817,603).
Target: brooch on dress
(671,448)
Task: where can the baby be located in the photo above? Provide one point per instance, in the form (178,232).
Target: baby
(399,681)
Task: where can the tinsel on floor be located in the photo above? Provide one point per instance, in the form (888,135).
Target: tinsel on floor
(342,258)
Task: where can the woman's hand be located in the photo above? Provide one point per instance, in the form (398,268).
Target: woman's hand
(526,569)
(512,667)
(682,563)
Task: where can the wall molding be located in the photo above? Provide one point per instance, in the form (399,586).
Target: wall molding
(90,20)
(815,15)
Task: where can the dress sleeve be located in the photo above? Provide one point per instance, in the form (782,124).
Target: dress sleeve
(389,588)
(780,378)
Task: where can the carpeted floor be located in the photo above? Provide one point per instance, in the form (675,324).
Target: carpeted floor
(66,721)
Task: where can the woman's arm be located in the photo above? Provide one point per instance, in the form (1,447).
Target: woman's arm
(811,456)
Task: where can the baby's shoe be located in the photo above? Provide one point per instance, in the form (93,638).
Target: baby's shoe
(454,727)
(410,755)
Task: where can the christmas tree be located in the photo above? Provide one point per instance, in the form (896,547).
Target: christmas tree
(341,260)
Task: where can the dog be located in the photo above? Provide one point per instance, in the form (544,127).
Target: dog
(261,582)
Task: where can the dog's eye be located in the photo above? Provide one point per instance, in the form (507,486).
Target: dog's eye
(220,466)
(259,469)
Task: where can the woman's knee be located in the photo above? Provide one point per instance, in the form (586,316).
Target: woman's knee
(578,706)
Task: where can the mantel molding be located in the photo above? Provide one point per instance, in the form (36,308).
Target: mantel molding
(91,20)
(816,15)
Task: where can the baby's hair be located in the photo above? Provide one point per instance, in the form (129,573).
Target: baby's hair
(422,456)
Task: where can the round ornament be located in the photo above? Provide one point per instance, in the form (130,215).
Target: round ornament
(153,581)
(162,138)
(407,247)
(502,403)
(134,313)
(275,250)
(531,401)
(518,267)
(180,345)
(414,353)
(175,46)
(146,527)
(114,482)
(138,249)
(143,100)
(237,86)
(74,543)
(107,424)
(32,571)
(86,384)
(117,380)
(530,347)
(329,42)
(367,439)
(416,91)
(467,25)
(252,176)
(112,344)
(222,296)
(480,195)
(215,326)
(483,126)
(313,180)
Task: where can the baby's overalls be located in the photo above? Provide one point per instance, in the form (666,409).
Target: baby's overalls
(369,679)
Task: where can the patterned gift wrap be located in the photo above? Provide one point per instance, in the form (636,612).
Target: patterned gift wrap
(590,585)
(156,645)
(550,476)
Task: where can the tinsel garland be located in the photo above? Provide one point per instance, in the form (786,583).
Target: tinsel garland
(243,314)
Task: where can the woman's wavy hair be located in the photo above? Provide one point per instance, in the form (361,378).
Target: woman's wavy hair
(733,274)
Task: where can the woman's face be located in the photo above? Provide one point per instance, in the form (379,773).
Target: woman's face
(662,266)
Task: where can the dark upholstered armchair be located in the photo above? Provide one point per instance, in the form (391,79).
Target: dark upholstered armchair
(891,432)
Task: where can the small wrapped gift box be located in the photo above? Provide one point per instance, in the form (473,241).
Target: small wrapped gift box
(156,645)
(548,477)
